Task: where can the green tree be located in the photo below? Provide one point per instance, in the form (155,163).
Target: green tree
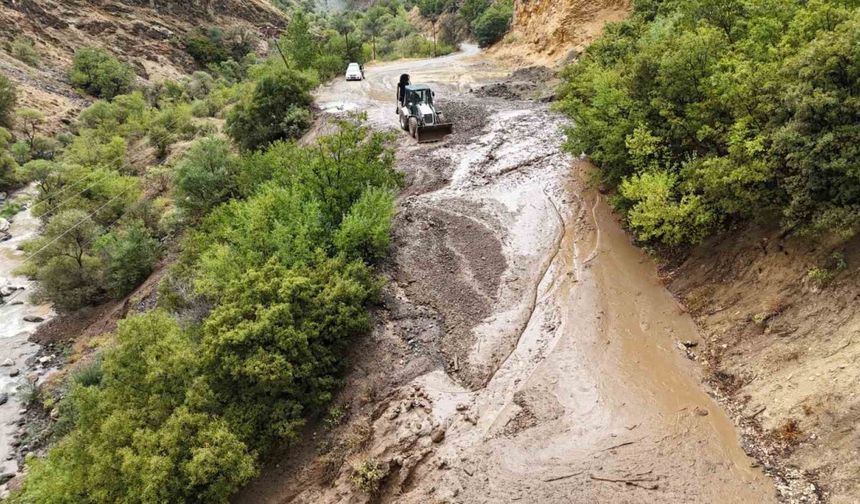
(8,99)
(275,345)
(99,73)
(30,120)
(373,22)
(493,23)
(68,273)
(128,254)
(366,230)
(470,10)
(206,176)
(277,109)
(298,41)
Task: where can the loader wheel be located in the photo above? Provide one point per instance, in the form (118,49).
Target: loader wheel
(404,123)
(413,127)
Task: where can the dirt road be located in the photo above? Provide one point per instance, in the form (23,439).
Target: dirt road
(525,350)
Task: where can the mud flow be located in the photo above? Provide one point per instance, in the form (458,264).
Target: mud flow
(526,352)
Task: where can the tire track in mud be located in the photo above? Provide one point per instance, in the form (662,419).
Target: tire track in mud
(537,288)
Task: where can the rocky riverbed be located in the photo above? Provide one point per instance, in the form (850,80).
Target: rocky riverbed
(22,363)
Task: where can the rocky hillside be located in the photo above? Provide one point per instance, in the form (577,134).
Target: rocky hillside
(554,31)
(146,33)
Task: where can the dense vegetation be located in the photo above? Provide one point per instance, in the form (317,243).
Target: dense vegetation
(276,244)
(707,112)
(183,413)
(100,73)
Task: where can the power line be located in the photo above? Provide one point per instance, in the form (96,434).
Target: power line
(55,207)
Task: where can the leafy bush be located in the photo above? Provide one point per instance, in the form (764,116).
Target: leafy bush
(276,110)
(9,174)
(68,273)
(206,46)
(206,176)
(367,475)
(135,438)
(24,50)
(128,254)
(493,23)
(99,73)
(126,116)
(275,344)
(8,99)
(471,10)
(364,232)
(727,111)
(213,45)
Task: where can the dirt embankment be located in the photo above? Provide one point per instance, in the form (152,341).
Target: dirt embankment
(146,33)
(782,341)
(552,32)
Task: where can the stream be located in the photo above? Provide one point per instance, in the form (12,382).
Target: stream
(16,351)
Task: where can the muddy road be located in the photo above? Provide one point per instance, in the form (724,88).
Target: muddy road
(525,350)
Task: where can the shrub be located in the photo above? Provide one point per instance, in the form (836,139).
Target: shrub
(94,149)
(134,437)
(99,73)
(368,474)
(126,115)
(277,109)
(470,10)
(493,23)
(128,254)
(67,271)
(365,230)
(204,50)
(24,50)
(9,175)
(89,375)
(8,99)
(199,85)
(206,176)
(276,342)
(730,111)
(20,151)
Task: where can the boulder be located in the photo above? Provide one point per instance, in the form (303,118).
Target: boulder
(33,318)
(8,363)
(4,398)
(5,477)
(4,225)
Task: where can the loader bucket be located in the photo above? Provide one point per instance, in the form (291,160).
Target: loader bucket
(434,133)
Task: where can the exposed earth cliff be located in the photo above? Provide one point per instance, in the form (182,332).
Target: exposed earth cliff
(551,32)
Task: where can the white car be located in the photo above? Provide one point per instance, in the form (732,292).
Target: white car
(354,72)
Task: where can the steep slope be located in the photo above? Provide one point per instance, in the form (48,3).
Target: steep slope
(780,321)
(553,31)
(146,33)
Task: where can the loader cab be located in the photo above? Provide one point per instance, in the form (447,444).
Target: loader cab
(416,95)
